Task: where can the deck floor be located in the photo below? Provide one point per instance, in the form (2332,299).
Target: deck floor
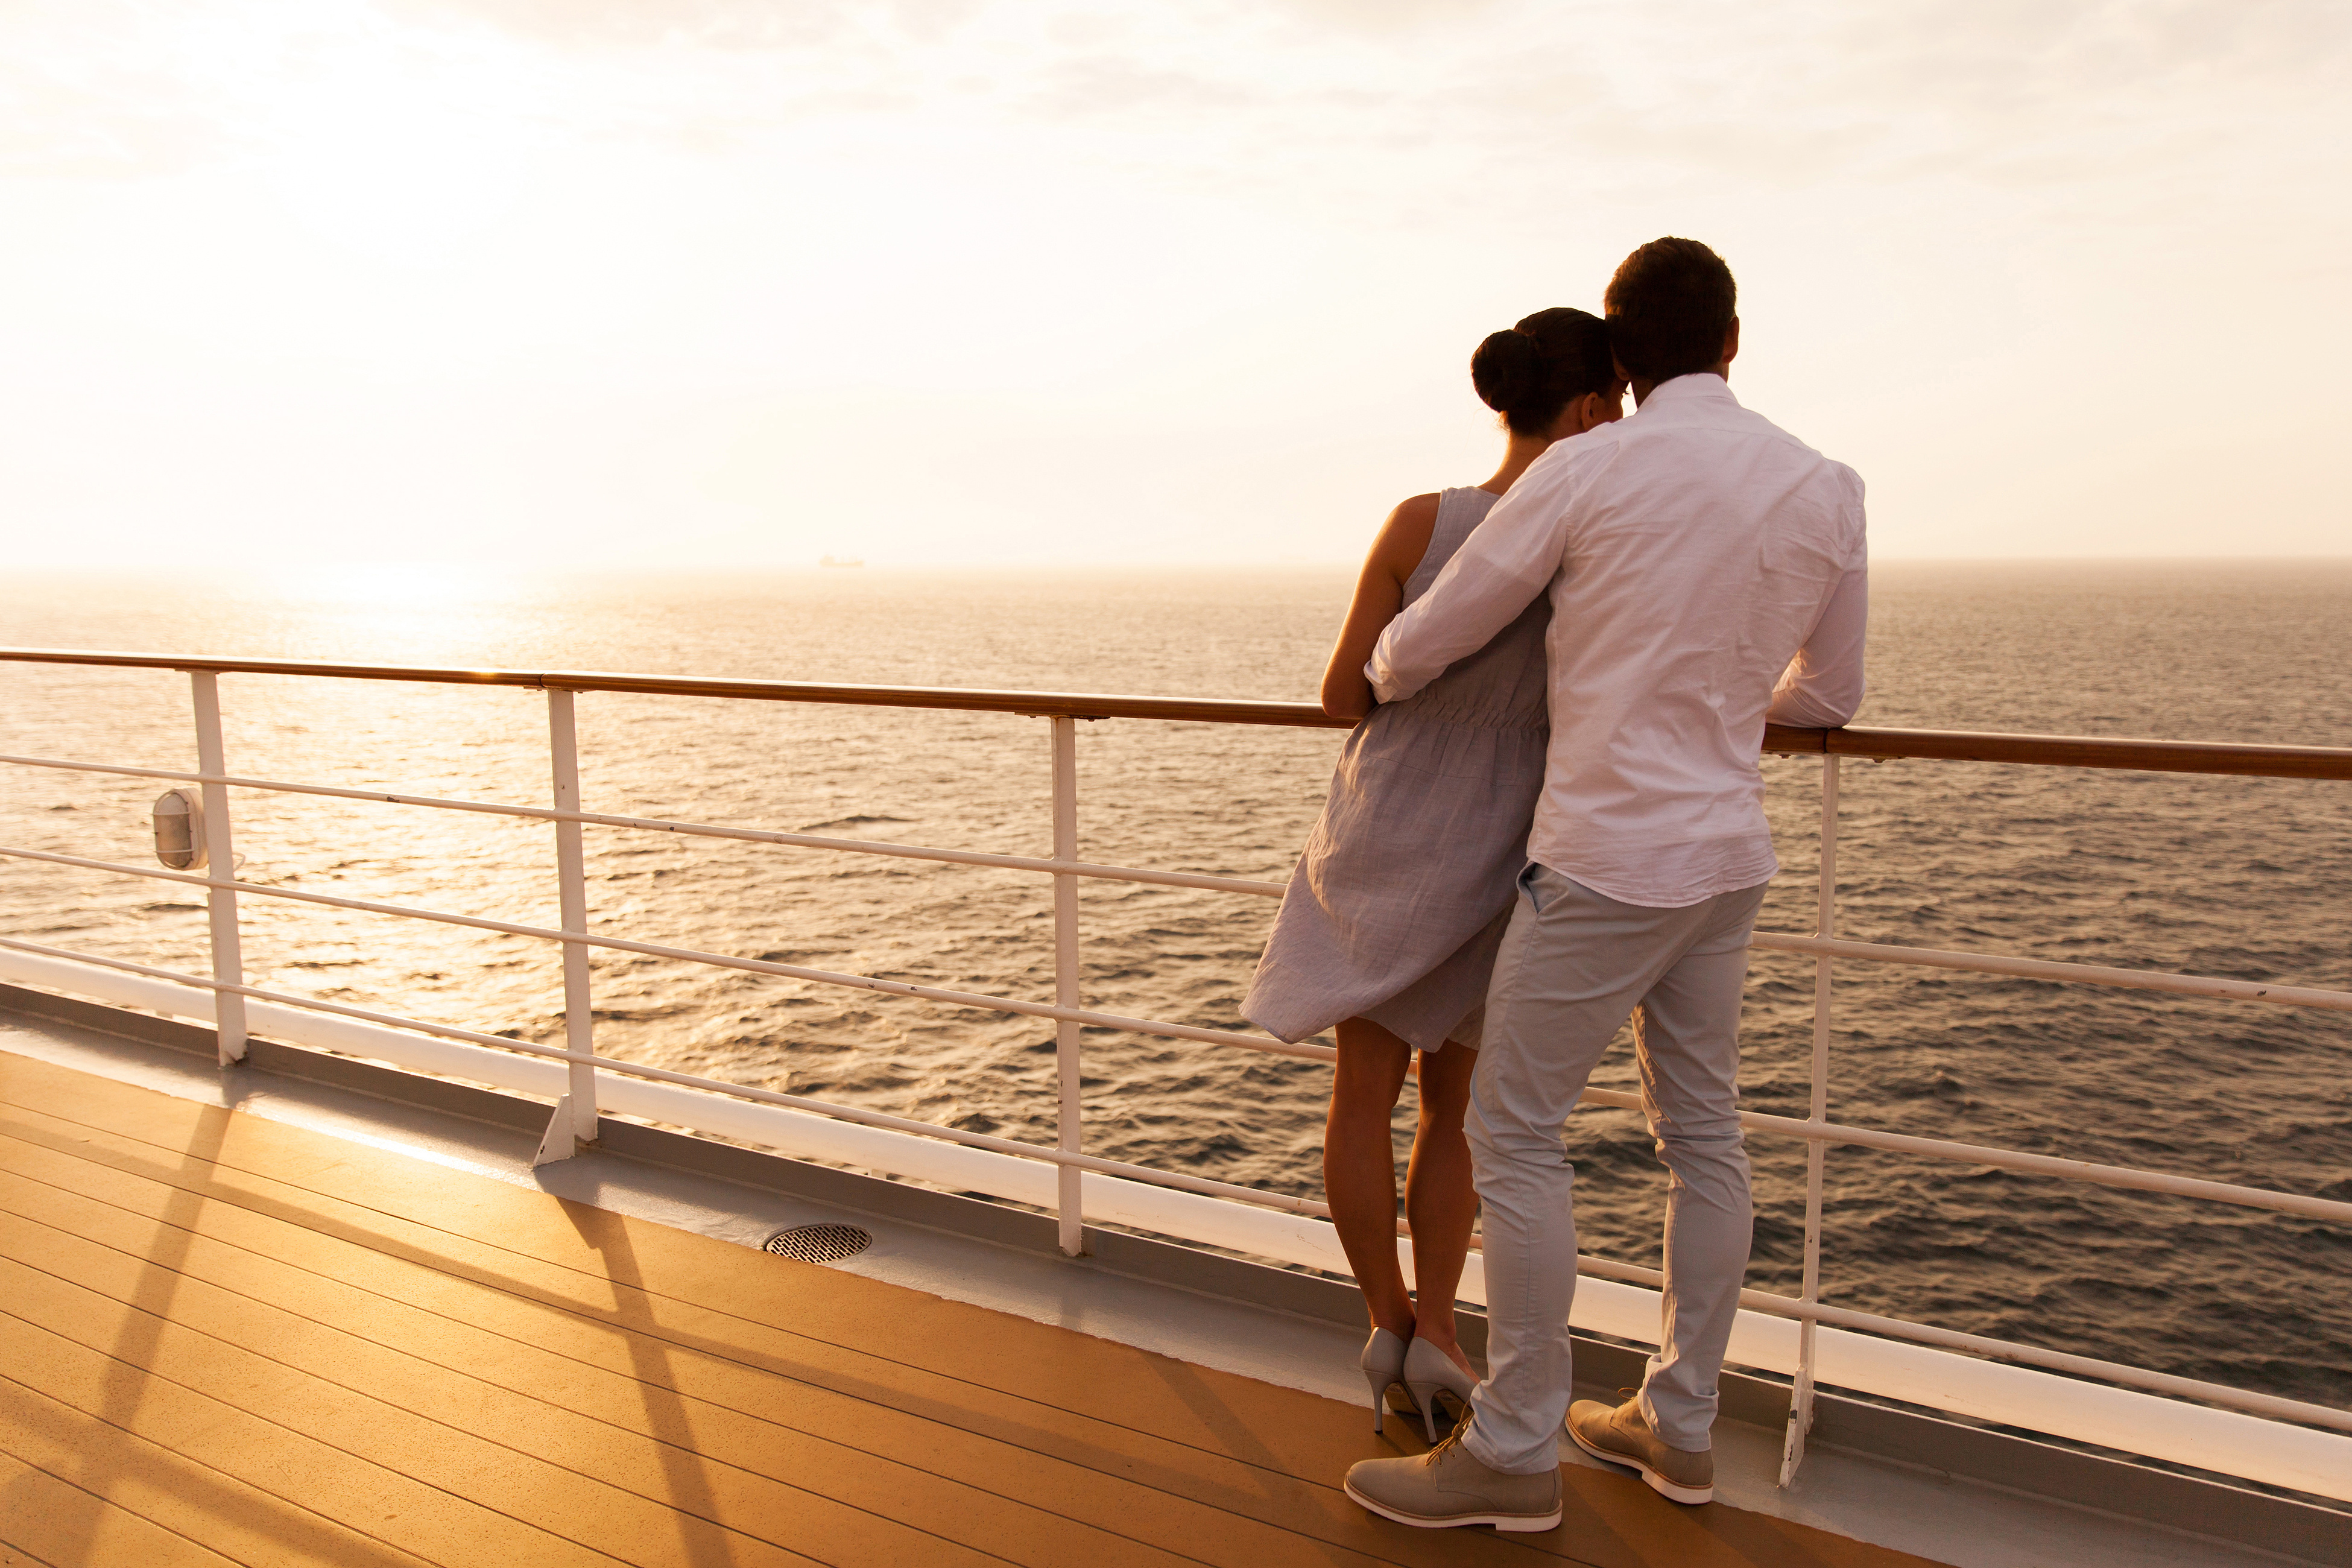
(228,1340)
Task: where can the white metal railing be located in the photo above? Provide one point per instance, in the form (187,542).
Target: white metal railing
(586,1075)
(1817,1072)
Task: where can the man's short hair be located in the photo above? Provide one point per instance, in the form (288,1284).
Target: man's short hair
(1669,307)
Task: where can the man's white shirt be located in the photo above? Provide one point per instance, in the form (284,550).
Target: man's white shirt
(1708,570)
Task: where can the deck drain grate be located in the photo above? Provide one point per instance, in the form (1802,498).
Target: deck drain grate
(820,1243)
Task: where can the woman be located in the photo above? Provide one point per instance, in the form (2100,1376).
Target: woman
(1392,921)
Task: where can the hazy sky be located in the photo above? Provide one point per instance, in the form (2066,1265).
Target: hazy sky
(687,282)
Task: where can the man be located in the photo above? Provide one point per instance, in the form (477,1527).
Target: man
(1706,573)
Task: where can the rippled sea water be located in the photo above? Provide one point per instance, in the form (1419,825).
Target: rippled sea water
(2250,878)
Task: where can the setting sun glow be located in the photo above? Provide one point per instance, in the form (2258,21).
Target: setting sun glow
(699,284)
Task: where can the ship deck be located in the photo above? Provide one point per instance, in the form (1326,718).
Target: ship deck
(228,1338)
(317,1311)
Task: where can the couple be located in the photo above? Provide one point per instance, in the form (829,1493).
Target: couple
(1551,819)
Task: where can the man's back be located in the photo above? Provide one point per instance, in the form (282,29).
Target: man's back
(1702,545)
(1690,552)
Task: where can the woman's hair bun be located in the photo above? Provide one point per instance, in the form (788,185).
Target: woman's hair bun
(1508,370)
(1529,373)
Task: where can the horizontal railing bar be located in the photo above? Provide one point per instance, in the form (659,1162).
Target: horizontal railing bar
(1784,942)
(2049,969)
(2077,752)
(1944,746)
(1151,1174)
(2038,1164)
(978,699)
(717,960)
(2267,1404)
(2012,1160)
(696,829)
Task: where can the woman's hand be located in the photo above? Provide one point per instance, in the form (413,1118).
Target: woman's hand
(1403,541)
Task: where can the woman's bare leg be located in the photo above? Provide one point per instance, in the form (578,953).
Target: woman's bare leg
(1440,1198)
(1359,1168)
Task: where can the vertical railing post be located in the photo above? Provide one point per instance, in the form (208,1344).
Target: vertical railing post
(574,1121)
(1800,1395)
(220,860)
(1070,1111)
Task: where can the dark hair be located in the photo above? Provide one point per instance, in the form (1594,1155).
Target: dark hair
(1540,366)
(1669,307)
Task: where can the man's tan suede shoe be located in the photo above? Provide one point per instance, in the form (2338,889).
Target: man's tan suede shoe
(1447,1487)
(1619,1436)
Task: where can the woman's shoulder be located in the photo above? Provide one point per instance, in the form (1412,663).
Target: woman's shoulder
(1451,515)
(1419,511)
(1405,537)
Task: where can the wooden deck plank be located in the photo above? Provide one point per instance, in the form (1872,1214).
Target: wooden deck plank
(599,1253)
(64,1524)
(737,1390)
(1179,1468)
(462,1456)
(431,1523)
(1260,1453)
(179,1492)
(631,1432)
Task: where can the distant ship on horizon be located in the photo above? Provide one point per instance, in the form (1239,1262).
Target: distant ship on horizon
(839,560)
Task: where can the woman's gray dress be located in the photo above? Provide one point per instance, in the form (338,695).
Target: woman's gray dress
(1401,895)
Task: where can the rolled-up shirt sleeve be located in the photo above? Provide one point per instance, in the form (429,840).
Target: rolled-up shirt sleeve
(1507,560)
(1823,685)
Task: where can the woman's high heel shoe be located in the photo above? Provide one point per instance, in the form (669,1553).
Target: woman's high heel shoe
(1383,1363)
(1427,1370)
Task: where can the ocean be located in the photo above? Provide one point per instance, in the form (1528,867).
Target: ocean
(2242,878)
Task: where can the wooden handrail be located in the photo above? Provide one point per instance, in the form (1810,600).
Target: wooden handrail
(1044,704)
(1940,745)
(2084,752)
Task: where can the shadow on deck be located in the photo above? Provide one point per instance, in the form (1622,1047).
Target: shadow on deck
(228,1338)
